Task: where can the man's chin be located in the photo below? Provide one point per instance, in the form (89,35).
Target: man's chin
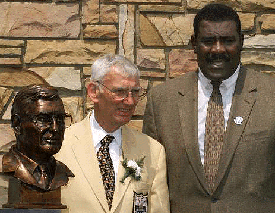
(51,149)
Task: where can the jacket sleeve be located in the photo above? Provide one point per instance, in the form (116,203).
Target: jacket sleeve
(149,126)
(159,195)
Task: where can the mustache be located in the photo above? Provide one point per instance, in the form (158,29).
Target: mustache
(215,57)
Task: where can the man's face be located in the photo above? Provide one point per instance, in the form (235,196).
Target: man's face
(110,112)
(218,47)
(42,128)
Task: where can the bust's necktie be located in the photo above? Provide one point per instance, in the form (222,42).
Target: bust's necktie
(214,134)
(106,168)
(44,178)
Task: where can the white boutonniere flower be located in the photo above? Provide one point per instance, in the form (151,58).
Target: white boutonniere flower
(238,120)
(132,169)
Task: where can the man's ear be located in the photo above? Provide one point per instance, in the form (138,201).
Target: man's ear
(194,43)
(16,124)
(242,40)
(93,91)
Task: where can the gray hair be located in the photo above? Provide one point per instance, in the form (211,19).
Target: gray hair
(103,66)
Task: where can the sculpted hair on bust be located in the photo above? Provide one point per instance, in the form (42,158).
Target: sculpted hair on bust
(30,94)
(216,12)
(104,65)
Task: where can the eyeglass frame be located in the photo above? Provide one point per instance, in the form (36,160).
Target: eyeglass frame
(115,96)
(34,119)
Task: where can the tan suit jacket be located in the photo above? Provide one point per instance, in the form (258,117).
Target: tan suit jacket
(85,192)
(246,176)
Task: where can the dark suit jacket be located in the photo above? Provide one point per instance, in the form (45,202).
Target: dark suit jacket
(246,177)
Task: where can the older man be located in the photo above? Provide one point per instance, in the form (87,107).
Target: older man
(217,124)
(117,169)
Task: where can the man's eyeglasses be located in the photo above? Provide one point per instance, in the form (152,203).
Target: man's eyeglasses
(121,93)
(46,120)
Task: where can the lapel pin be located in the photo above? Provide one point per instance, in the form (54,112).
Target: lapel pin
(238,120)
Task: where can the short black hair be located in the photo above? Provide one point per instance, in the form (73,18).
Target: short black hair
(30,94)
(216,12)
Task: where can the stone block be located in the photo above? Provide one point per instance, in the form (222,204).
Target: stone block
(62,77)
(260,41)
(256,5)
(167,30)
(247,20)
(258,58)
(162,8)
(196,5)
(90,10)
(143,1)
(151,58)
(39,20)
(89,104)
(242,5)
(10,61)
(7,110)
(10,51)
(149,34)
(268,22)
(181,61)
(12,77)
(141,106)
(108,13)
(74,107)
(67,51)
(127,31)
(153,74)
(144,84)
(7,139)
(155,83)
(87,71)
(5,95)
(100,31)
(11,43)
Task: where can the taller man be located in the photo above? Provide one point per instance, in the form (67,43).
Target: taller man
(217,124)
(106,156)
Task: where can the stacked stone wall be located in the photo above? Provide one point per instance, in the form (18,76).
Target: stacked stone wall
(55,42)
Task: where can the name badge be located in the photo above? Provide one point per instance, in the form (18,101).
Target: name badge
(140,203)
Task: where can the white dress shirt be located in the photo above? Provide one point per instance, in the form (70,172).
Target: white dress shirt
(114,148)
(205,89)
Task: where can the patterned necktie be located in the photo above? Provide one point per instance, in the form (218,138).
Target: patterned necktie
(106,168)
(214,134)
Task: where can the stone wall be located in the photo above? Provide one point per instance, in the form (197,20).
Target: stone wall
(56,42)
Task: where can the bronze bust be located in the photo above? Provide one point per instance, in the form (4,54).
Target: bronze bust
(38,121)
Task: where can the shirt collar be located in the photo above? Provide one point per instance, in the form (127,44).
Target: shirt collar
(30,164)
(227,83)
(99,133)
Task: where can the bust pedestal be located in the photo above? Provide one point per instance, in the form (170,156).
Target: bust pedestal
(20,196)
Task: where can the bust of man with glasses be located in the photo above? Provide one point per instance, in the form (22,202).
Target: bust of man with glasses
(38,120)
(96,147)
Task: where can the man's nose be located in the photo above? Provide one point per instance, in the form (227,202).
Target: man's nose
(129,99)
(218,47)
(54,124)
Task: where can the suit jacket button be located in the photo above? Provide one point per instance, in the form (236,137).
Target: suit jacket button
(214,200)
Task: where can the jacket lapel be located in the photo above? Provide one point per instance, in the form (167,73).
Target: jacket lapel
(128,144)
(243,101)
(188,112)
(87,160)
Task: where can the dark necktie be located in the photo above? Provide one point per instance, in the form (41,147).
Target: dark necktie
(214,134)
(44,179)
(106,168)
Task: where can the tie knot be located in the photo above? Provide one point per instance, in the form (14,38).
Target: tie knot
(107,140)
(216,84)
